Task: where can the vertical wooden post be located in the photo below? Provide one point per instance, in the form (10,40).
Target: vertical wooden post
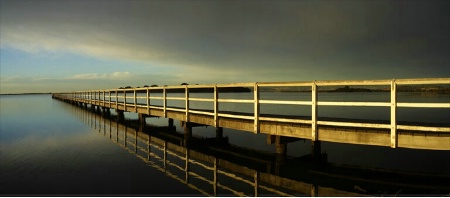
(186,99)
(316,151)
(187,133)
(256,108)
(148,101)
(135,99)
(314,135)
(141,118)
(164,101)
(125,100)
(219,132)
(117,100)
(109,93)
(216,106)
(394,138)
(170,123)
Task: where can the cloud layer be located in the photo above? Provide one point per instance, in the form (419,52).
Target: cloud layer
(240,40)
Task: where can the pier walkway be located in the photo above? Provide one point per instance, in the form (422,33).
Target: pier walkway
(314,127)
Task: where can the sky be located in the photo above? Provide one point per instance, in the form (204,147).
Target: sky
(54,46)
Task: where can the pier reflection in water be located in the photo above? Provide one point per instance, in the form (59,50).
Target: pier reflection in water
(214,168)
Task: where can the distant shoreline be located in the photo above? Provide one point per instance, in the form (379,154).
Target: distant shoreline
(11,94)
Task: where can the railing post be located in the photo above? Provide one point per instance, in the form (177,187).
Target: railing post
(125,100)
(314,135)
(117,99)
(164,101)
(256,108)
(148,101)
(216,107)
(104,97)
(186,95)
(135,100)
(394,138)
(109,91)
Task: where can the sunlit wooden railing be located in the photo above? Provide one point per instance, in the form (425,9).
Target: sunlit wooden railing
(110,98)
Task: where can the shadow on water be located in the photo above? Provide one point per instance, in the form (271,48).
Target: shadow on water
(214,167)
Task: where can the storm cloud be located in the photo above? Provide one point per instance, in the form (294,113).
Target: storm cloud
(241,40)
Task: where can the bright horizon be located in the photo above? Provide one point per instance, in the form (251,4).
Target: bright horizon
(55,46)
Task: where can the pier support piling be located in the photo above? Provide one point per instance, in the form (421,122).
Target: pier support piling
(187,133)
(316,152)
(281,150)
(142,118)
(219,132)
(106,111)
(120,115)
(170,123)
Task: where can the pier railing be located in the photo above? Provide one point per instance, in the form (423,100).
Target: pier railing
(110,98)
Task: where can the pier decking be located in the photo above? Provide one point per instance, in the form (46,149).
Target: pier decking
(312,127)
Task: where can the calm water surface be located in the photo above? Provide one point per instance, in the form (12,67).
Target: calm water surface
(45,148)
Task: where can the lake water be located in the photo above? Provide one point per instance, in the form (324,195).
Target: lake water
(49,147)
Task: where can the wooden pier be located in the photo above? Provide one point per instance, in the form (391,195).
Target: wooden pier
(311,127)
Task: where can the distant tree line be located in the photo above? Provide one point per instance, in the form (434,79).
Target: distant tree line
(193,90)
